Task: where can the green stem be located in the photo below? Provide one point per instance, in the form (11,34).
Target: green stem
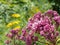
(14,40)
(44,42)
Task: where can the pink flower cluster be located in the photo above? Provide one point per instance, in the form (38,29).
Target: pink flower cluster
(12,35)
(28,37)
(43,24)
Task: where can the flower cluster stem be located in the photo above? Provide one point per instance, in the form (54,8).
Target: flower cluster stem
(14,41)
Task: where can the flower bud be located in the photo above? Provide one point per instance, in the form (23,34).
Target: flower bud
(7,42)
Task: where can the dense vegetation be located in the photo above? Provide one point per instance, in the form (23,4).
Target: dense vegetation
(55,4)
(15,14)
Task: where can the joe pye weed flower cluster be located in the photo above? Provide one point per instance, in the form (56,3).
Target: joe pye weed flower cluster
(45,24)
